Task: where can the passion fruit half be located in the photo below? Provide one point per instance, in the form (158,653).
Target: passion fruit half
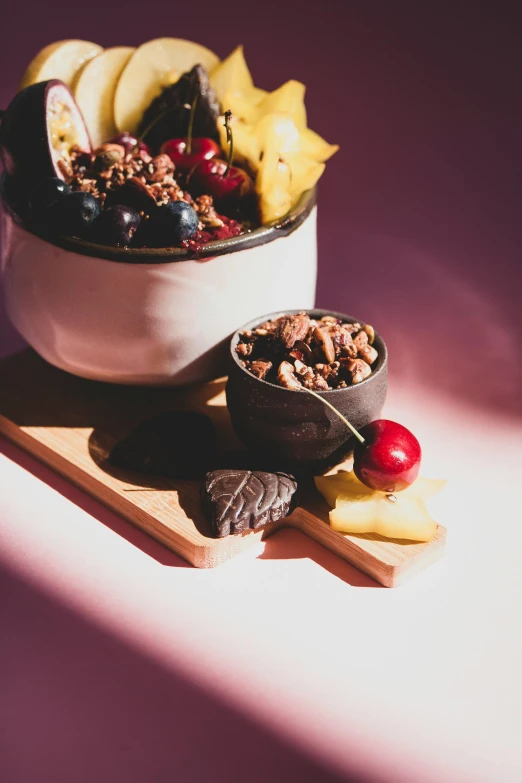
(39,128)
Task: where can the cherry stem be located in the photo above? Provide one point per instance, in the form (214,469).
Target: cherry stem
(150,126)
(230,140)
(188,145)
(329,405)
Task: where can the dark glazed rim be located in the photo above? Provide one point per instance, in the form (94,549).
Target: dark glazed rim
(382,361)
(259,236)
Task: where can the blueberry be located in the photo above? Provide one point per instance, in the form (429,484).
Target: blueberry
(117,225)
(172,224)
(73,214)
(44,195)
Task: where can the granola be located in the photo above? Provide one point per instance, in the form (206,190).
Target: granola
(296,351)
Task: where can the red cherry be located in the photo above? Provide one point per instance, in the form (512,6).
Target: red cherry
(227,187)
(201,149)
(390,457)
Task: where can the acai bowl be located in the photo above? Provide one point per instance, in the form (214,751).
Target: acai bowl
(153,198)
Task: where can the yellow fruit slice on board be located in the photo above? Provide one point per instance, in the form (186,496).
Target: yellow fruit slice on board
(232,76)
(340,483)
(288,99)
(405,518)
(347,483)
(95,90)
(60,60)
(153,66)
(315,146)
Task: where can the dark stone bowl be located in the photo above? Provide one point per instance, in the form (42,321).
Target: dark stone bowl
(291,428)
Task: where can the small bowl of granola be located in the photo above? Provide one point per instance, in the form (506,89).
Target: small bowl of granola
(275,359)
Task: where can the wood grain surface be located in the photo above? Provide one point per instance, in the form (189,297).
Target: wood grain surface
(72,424)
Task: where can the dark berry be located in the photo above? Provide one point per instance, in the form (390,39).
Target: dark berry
(129,142)
(73,214)
(117,225)
(172,224)
(44,195)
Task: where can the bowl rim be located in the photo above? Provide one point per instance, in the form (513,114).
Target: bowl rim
(282,227)
(314,312)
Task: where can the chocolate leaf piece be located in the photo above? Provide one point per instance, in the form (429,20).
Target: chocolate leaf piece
(178,444)
(238,500)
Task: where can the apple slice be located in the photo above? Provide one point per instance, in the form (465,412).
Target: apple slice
(95,90)
(288,99)
(60,60)
(315,146)
(405,518)
(155,65)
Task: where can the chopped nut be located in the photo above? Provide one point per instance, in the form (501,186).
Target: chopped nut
(291,328)
(370,331)
(322,336)
(369,354)
(360,340)
(329,319)
(359,370)
(244,349)
(108,155)
(261,332)
(160,167)
(260,368)
(286,377)
(349,350)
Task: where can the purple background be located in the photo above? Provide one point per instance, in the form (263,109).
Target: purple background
(420,233)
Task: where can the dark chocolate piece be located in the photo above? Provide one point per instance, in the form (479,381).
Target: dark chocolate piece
(238,500)
(168,116)
(178,444)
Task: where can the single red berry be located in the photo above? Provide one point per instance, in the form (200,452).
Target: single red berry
(390,457)
(200,149)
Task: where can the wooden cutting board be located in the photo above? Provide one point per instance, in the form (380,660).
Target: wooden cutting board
(71,424)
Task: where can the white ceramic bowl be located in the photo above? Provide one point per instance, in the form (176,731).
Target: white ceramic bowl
(152,317)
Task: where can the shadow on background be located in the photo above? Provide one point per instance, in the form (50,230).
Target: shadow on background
(82,706)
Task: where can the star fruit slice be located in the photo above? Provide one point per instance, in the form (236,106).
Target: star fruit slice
(359,509)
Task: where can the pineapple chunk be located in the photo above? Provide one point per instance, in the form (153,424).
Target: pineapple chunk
(315,146)
(288,99)
(406,518)
(233,76)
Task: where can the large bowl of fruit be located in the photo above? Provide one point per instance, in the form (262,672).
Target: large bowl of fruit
(153,198)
